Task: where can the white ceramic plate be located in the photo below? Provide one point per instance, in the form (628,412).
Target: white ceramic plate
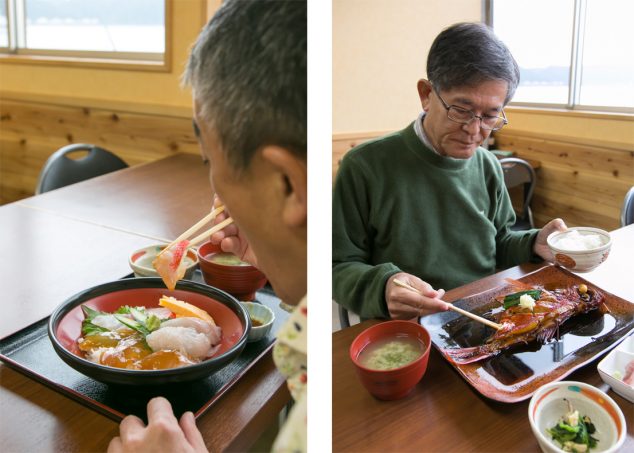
(615,362)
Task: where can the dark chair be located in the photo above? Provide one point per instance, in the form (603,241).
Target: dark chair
(59,170)
(344,319)
(518,172)
(627,212)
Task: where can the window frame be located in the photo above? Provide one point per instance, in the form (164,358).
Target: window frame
(145,61)
(576,54)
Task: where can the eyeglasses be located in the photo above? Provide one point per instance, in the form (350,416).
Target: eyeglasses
(464,116)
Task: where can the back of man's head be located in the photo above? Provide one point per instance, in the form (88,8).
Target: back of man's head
(467,54)
(248,73)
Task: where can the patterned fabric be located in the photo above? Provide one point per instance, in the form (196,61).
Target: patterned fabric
(289,355)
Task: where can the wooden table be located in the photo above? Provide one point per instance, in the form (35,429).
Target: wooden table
(56,244)
(444,413)
(158,200)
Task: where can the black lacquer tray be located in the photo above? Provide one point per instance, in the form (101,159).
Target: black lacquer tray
(30,352)
(516,373)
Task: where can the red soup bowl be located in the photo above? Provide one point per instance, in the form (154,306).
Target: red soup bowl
(241,281)
(64,328)
(394,383)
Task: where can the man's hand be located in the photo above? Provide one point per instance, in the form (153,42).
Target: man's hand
(163,432)
(541,247)
(230,238)
(405,304)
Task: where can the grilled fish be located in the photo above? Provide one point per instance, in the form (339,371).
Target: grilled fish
(521,325)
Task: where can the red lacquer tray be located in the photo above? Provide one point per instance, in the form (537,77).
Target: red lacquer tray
(515,374)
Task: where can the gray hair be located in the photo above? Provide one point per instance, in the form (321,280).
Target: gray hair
(467,54)
(248,74)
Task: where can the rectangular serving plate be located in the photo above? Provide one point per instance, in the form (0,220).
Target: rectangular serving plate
(515,374)
(30,352)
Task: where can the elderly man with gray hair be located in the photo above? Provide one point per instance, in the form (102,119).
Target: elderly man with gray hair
(248,76)
(427,205)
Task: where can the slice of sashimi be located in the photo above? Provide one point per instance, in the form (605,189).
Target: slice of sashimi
(184,339)
(170,264)
(211,331)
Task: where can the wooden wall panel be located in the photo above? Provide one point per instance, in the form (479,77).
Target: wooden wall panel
(582,182)
(342,143)
(32,131)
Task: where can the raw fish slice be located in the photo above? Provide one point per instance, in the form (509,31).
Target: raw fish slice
(186,340)
(211,331)
(629,373)
(170,264)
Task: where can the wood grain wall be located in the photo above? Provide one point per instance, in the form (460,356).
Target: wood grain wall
(583,182)
(32,129)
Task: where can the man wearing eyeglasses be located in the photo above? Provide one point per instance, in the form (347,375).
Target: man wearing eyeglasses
(427,205)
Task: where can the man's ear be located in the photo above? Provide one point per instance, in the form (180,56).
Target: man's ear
(424,93)
(293,170)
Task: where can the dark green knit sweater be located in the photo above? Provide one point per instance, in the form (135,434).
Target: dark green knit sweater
(398,206)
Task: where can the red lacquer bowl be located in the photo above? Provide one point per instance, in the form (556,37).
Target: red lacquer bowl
(65,328)
(399,382)
(240,281)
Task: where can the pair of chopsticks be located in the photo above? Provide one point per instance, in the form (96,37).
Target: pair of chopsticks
(203,236)
(495,325)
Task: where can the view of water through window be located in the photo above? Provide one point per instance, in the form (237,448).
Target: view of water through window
(96,25)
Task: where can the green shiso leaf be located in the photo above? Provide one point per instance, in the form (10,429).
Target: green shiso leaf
(87,327)
(514,299)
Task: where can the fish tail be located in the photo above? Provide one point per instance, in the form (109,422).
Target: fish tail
(463,356)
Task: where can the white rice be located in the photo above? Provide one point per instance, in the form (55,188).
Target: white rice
(576,242)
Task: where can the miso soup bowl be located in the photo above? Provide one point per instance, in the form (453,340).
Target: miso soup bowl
(240,281)
(398,382)
(580,260)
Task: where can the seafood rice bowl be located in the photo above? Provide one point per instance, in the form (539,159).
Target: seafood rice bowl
(132,332)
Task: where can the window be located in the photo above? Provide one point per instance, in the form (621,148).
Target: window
(571,53)
(4,30)
(94,29)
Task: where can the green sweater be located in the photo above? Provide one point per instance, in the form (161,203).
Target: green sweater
(400,207)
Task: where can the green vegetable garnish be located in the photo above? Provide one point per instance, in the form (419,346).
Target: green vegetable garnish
(514,299)
(132,324)
(573,432)
(153,322)
(142,323)
(87,327)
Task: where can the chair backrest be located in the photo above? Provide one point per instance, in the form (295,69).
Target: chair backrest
(344,319)
(60,170)
(627,212)
(518,172)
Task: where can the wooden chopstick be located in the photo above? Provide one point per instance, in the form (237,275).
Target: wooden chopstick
(208,218)
(495,325)
(204,236)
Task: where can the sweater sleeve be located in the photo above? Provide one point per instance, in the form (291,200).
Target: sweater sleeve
(512,247)
(357,284)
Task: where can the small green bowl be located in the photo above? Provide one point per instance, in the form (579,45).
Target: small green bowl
(259,314)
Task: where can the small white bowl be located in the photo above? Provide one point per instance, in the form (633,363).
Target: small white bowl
(580,260)
(141,261)
(262,314)
(615,362)
(547,407)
